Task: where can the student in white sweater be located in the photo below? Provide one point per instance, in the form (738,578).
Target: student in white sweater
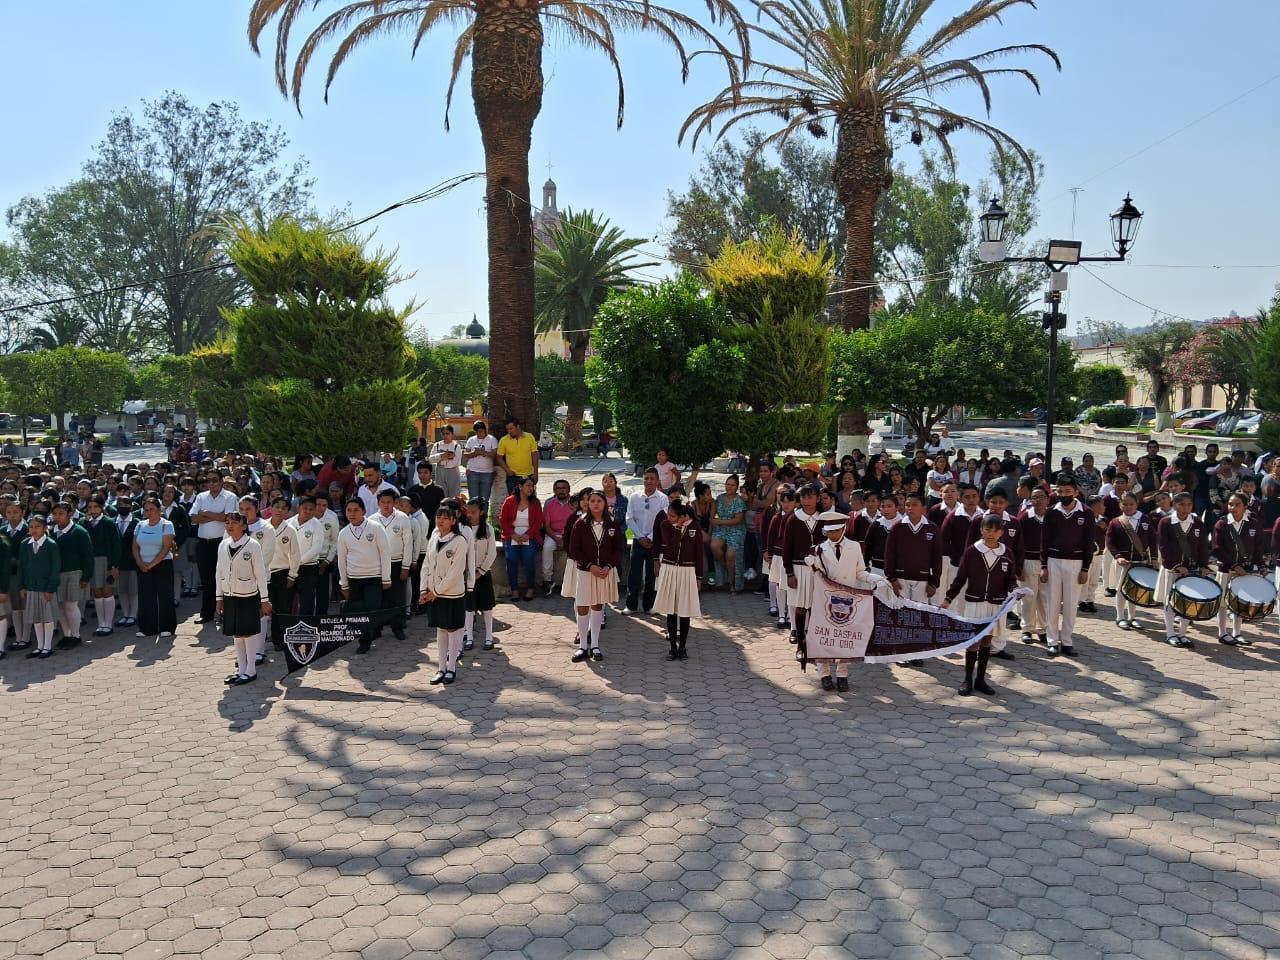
(265,535)
(484,552)
(400,540)
(241,592)
(448,573)
(364,568)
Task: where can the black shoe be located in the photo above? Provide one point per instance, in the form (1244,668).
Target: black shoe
(33,654)
(1054,650)
(259,659)
(915,664)
(1069,651)
(66,643)
(828,683)
(488,644)
(1002,655)
(842,684)
(684,654)
(449,677)
(16,645)
(199,620)
(596,654)
(579,655)
(1243,641)
(468,643)
(1013,621)
(672,655)
(1228,640)
(231,679)
(46,654)
(1044,637)
(398,633)
(793,638)
(439,677)
(966,689)
(1110,593)
(242,680)
(983,687)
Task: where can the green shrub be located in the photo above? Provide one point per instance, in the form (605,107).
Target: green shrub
(803,429)
(1269,435)
(291,416)
(227,439)
(1111,416)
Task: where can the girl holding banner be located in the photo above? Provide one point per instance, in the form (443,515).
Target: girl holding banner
(987,573)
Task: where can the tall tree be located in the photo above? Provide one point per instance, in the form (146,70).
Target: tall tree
(76,380)
(855,68)
(583,260)
(171,176)
(504,40)
(448,376)
(1150,353)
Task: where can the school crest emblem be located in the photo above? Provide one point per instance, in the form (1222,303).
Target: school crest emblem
(303,640)
(841,608)
(369,537)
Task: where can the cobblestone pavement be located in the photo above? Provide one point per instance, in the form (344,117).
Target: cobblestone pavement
(1121,805)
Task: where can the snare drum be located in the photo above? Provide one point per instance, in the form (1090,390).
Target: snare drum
(1139,585)
(1195,598)
(1251,597)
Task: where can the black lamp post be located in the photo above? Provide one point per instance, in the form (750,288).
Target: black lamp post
(1060,255)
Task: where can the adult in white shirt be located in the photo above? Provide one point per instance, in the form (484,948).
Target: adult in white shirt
(374,484)
(643,510)
(209,512)
(446,457)
(479,455)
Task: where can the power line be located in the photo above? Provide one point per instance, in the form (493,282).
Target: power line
(430,194)
(1140,303)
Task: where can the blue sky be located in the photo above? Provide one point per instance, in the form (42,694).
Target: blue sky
(1133,73)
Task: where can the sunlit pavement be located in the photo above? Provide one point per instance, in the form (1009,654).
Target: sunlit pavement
(1121,805)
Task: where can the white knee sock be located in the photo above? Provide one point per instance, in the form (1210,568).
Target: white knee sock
(595,618)
(455,648)
(242,657)
(108,615)
(20,625)
(70,619)
(773,594)
(488,625)
(824,670)
(1172,623)
(442,647)
(470,623)
(98,612)
(44,636)
(584,629)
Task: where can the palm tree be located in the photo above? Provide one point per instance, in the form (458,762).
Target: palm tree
(581,261)
(57,328)
(504,39)
(856,68)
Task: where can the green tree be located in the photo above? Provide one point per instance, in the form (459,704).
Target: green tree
(19,394)
(167,380)
(504,41)
(1101,383)
(1265,373)
(583,261)
(921,364)
(1150,352)
(448,376)
(325,353)
(773,289)
(853,69)
(669,378)
(218,390)
(76,380)
(560,381)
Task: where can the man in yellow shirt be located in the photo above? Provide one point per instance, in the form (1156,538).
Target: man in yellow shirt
(517,455)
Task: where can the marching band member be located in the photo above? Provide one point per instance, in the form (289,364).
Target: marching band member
(987,574)
(682,563)
(839,558)
(364,568)
(1184,550)
(75,551)
(485,553)
(400,543)
(595,548)
(448,574)
(1089,595)
(265,534)
(1238,547)
(39,575)
(778,606)
(800,535)
(1130,539)
(241,579)
(1066,549)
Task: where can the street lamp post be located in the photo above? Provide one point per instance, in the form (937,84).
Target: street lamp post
(1060,255)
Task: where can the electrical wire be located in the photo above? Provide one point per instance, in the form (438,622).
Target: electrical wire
(438,190)
(1173,316)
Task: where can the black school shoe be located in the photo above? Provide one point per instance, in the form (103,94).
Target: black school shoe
(1003,655)
(828,683)
(842,684)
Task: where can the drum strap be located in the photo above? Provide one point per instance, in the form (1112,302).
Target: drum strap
(1241,553)
(1183,545)
(1136,549)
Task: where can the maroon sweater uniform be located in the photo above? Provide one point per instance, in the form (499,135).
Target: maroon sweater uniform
(1248,553)
(914,554)
(937,514)
(798,540)
(856,527)
(1171,553)
(1011,536)
(983,584)
(773,534)
(1133,543)
(1099,533)
(684,549)
(1031,531)
(586,551)
(955,534)
(1111,508)
(567,537)
(877,539)
(1067,536)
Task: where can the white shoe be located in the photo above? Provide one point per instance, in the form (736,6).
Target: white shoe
(139,634)
(165,633)
(750,574)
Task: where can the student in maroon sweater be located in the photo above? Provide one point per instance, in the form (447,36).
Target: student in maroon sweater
(987,575)
(939,511)
(1130,539)
(913,554)
(1238,548)
(873,546)
(1031,533)
(997,506)
(800,535)
(1184,551)
(786,502)
(681,568)
(595,552)
(1088,596)
(955,531)
(1066,548)
(859,523)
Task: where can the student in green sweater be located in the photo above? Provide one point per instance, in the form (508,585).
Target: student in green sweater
(5,605)
(75,550)
(15,530)
(106,562)
(39,571)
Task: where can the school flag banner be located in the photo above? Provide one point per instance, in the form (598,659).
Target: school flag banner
(306,640)
(877,626)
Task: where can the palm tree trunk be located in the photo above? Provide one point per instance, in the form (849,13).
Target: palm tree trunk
(861,174)
(506,86)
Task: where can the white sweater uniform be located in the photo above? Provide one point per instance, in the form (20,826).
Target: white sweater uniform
(363,552)
(331,526)
(399,531)
(422,528)
(448,570)
(308,542)
(244,574)
(262,531)
(284,555)
(484,552)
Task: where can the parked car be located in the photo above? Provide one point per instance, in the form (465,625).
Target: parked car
(1249,424)
(1192,413)
(1144,416)
(1211,422)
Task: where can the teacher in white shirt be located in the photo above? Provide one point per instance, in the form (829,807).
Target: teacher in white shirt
(479,455)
